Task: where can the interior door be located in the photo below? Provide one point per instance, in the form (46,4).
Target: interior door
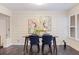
(3,31)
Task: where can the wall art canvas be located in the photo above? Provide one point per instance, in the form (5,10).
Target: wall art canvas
(39,24)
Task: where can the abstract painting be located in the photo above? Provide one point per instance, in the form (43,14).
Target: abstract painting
(39,24)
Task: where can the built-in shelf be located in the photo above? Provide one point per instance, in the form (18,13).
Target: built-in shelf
(72,32)
(72,20)
(72,26)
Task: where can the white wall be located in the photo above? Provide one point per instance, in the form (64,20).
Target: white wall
(2,31)
(74,10)
(73,42)
(20,27)
(5,14)
(5,39)
(5,11)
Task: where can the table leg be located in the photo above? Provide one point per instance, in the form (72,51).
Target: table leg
(25,46)
(55,45)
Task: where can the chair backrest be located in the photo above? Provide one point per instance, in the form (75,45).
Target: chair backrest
(46,38)
(34,39)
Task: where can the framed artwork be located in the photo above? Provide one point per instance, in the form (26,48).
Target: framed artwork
(39,24)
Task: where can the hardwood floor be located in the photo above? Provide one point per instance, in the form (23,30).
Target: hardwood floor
(18,50)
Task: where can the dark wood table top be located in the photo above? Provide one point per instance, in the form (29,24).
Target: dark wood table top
(27,36)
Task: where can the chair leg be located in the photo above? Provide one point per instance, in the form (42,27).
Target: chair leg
(38,48)
(42,48)
(31,49)
(55,48)
(50,48)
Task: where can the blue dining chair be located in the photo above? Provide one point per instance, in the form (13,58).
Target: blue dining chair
(34,40)
(47,40)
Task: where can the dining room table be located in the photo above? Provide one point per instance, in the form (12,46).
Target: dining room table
(27,39)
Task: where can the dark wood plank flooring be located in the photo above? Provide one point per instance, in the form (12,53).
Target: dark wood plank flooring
(18,50)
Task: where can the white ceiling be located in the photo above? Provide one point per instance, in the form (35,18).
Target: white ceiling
(34,7)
